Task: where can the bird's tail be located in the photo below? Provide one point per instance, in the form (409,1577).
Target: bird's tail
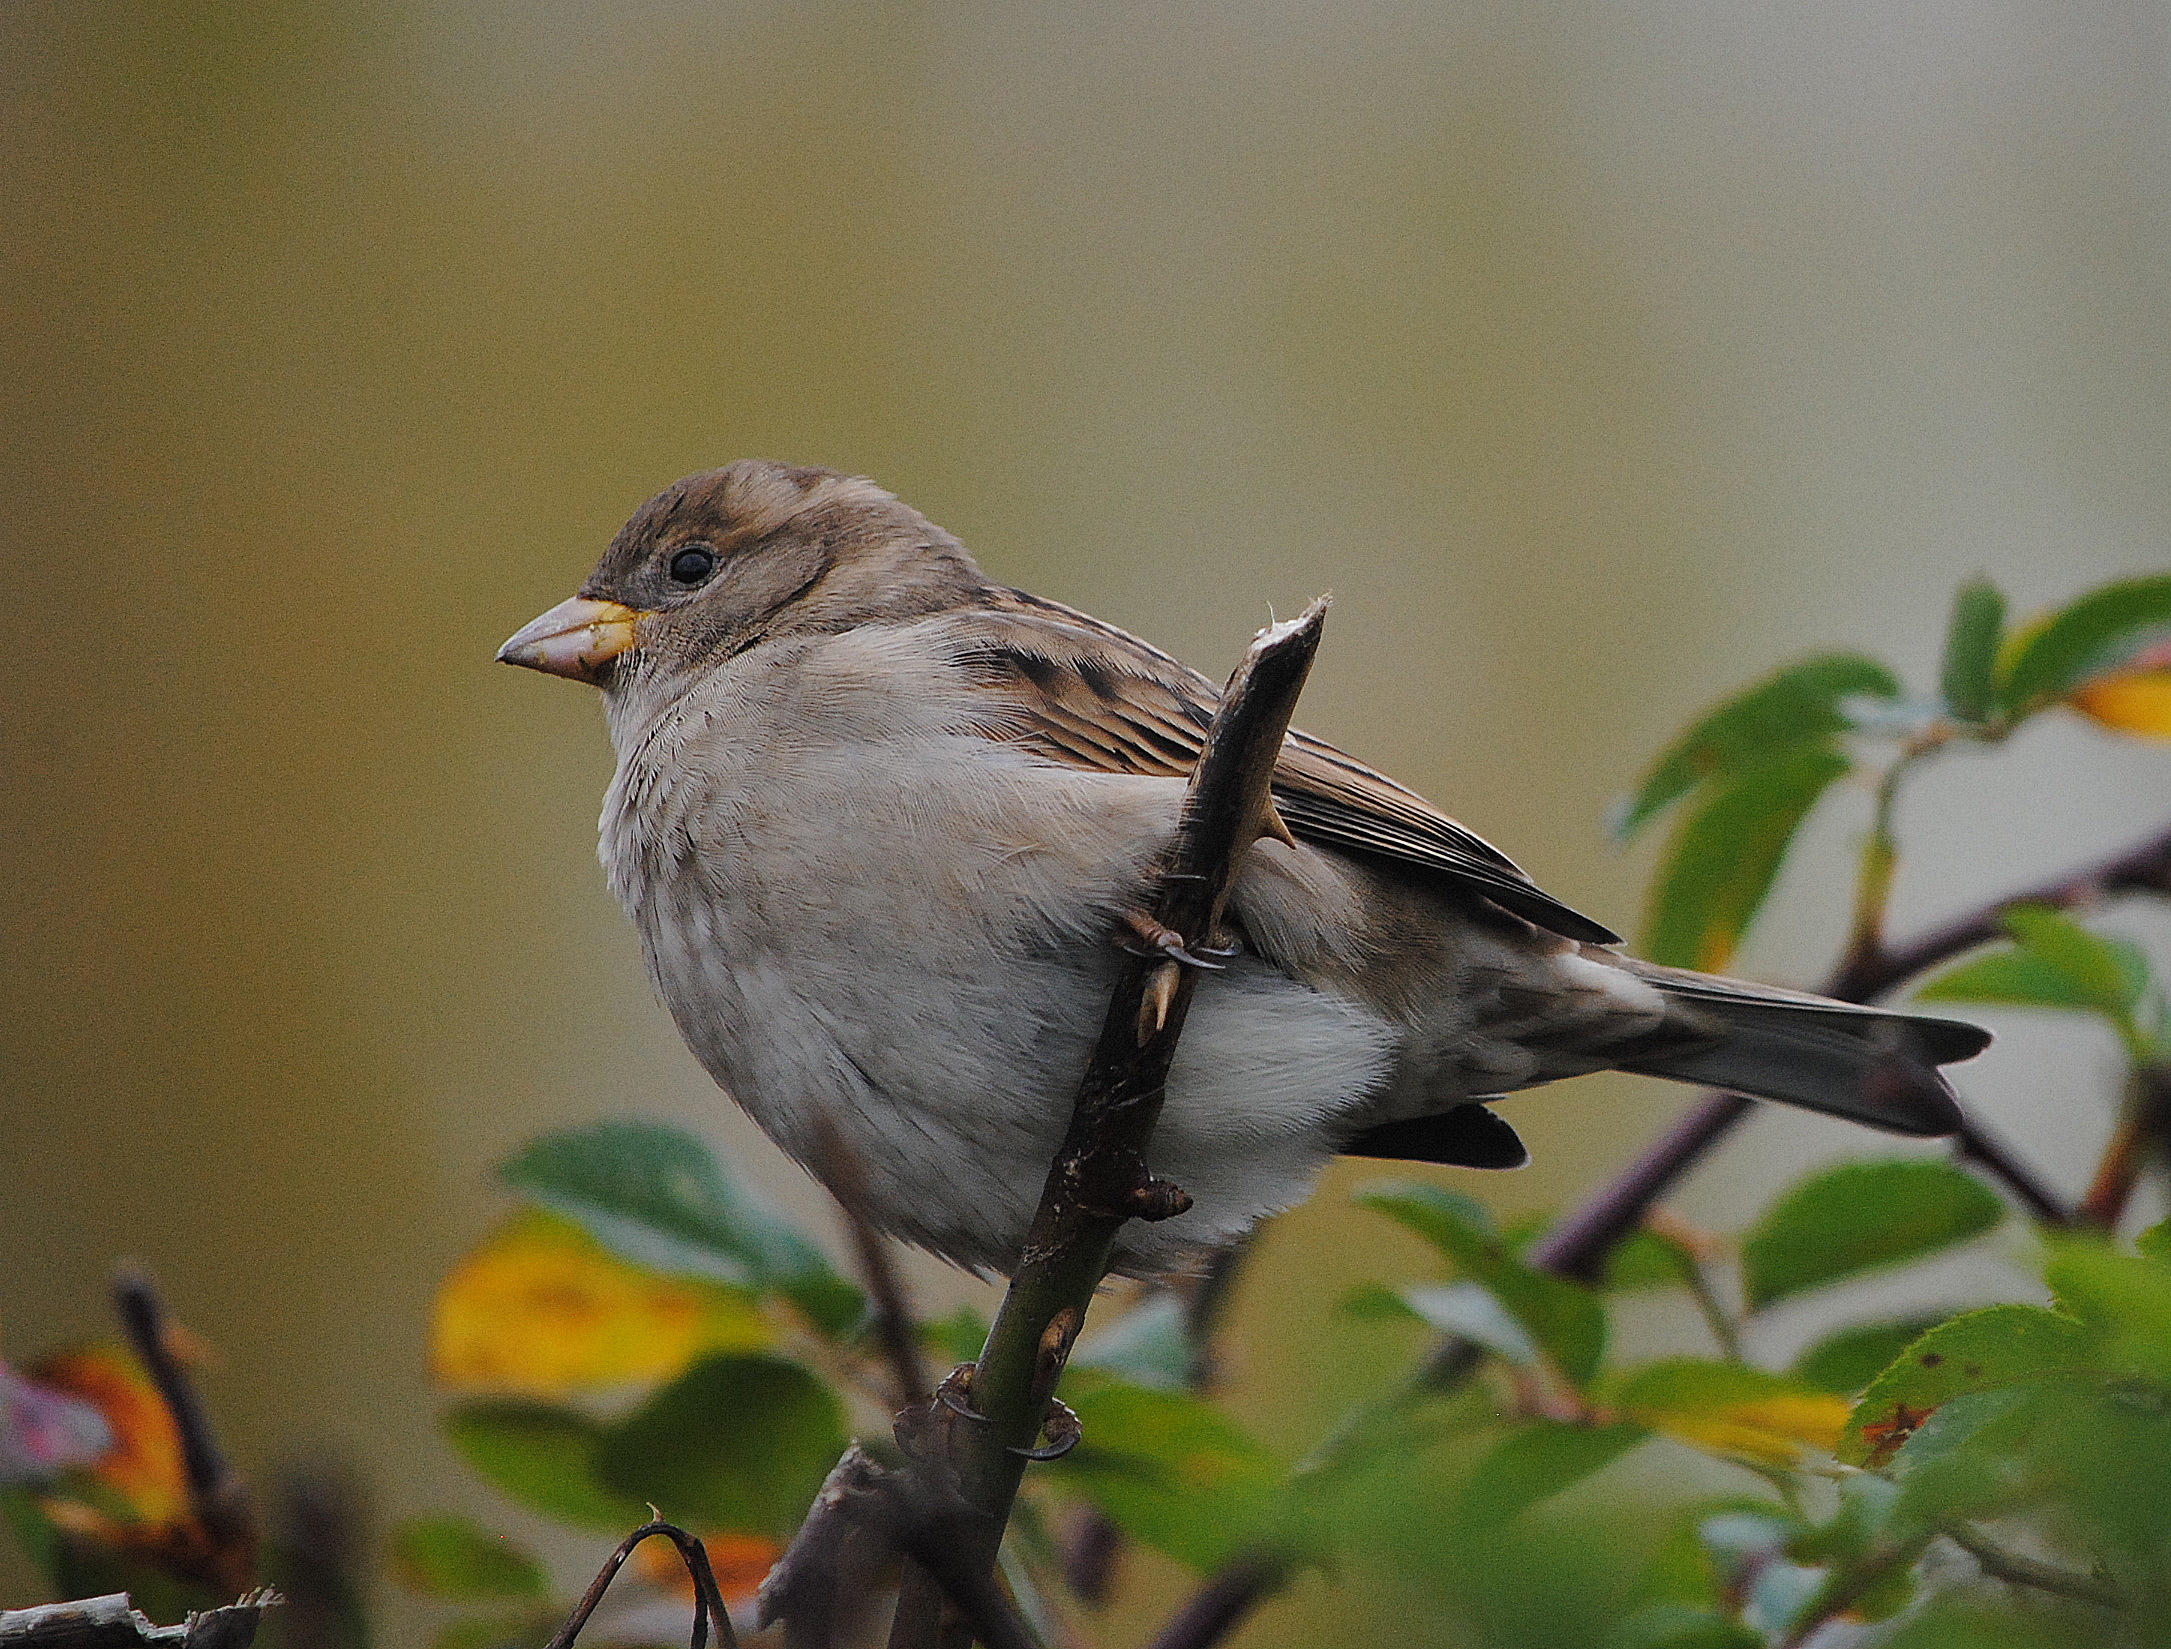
(1864,1064)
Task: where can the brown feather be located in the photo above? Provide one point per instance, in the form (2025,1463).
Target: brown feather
(1084,694)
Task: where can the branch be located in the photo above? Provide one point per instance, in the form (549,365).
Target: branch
(2144,868)
(1099,1179)
(218,1499)
(708,1601)
(110,1622)
(2015,1570)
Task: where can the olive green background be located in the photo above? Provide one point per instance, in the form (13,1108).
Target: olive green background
(1597,356)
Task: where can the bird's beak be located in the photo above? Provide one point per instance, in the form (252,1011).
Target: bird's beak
(575,639)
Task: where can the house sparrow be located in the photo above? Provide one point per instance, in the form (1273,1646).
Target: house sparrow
(880,822)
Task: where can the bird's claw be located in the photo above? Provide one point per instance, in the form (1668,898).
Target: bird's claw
(1154,937)
(1061,1427)
(952,1393)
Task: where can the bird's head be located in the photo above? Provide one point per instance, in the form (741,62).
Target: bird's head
(732,557)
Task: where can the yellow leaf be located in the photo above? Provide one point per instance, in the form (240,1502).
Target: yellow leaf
(2131,701)
(1776,1429)
(542,1307)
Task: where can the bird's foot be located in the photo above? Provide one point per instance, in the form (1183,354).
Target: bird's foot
(1059,1424)
(1155,938)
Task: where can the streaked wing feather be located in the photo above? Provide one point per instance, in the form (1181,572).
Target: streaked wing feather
(1080,692)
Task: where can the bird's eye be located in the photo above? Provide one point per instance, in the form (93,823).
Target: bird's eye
(691,566)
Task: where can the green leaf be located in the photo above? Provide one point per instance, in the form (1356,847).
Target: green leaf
(1564,1319)
(2055,963)
(1476,1313)
(1458,1226)
(542,1457)
(1146,1346)
(1846,1362)
(531,1629)
(2084,639)
(1648,1259)
(734,1443)
(2155,1243)
(2124,1299)
(1799,705)
(1172,1473)
(1721,860)
(1534,1462)
(957,1338)
(1678,1626)
(656,1196)
(1969,676)
(1966,1458)
(1976,1351)
(454,1557)
(1858,1217)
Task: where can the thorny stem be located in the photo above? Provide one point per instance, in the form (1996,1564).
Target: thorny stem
(1099,1179)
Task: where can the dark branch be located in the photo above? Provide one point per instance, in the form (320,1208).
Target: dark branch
(1099,1179)
(218,1499)
(708,1601)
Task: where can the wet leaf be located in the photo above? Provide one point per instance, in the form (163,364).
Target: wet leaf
(1722,857)
(1565,1320)
(543,1457)
(1146,1346)
(1731,1409)
(1858,1217)
(1536,1461)
(1975,1351)
(737,1443)
(1846,1362)
(1172,1473)
(2090,637)
(1969,676)
(1476,1313)
(1801,704)
(454,1557)
(541,1307)
(656,1196)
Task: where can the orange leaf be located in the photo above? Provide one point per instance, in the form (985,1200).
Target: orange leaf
(541,1307)
(144,1466)
(741,1562)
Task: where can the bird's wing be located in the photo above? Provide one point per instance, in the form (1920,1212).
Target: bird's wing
(1076,691)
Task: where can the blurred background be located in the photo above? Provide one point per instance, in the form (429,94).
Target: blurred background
(1597,356)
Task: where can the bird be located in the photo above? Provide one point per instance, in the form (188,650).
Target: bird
(881,823)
